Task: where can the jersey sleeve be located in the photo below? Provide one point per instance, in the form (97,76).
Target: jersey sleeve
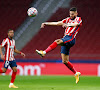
(4,42)
(64,20)
(79,20)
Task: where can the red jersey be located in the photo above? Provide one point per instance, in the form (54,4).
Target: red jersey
(9,49)
(72,31)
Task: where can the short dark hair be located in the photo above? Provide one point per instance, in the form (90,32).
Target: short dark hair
(73,9)
(10,30)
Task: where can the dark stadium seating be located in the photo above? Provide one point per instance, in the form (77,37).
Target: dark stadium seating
(12,14)
(87,41)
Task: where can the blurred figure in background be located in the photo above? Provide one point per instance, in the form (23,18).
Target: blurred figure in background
(9,44)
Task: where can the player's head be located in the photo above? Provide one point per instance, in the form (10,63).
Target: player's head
(10,33)
(73,12)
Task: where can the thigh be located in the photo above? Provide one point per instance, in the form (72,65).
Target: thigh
(65,49)
(13,64)
(65,58)
(14,69)
(6,64)
(68,41)
(59,41)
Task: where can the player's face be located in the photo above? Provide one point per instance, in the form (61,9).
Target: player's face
(11,33)
(73,14)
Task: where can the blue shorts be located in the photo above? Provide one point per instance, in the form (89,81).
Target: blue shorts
(10,63)
(69,41)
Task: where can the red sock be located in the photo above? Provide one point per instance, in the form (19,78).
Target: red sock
(1,71)
(70,66)
(13,77)
(51,47)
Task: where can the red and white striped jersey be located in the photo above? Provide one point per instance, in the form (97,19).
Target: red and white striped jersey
(72,31)
(9,49)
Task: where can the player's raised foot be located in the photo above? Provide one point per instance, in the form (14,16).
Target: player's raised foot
(12,86)
(77,76)
(41,53)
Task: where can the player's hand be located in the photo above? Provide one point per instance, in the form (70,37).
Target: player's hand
(43,25)
(2,57)
(22,54)
(64,26)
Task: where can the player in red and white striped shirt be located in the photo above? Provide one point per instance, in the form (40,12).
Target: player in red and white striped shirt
(72,25)
(9,60)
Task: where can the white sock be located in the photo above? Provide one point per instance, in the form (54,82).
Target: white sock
(11,83)
(44,52)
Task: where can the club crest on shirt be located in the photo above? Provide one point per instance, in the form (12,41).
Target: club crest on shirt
(12,47)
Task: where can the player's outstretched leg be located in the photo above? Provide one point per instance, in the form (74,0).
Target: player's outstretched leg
(50,48)
(11,85)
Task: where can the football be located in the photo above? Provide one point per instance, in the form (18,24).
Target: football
(32,12)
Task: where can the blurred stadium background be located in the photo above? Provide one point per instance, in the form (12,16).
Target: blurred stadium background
(85,55)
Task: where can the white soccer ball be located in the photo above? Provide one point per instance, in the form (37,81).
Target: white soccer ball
(32,12)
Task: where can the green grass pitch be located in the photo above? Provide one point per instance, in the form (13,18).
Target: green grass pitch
(51,83)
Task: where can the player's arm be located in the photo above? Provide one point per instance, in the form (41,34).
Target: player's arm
(59,23)
(2,56)
(19,52)
(73,24)
(76,23)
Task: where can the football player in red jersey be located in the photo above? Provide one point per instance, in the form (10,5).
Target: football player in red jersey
(72,25)
(9,60)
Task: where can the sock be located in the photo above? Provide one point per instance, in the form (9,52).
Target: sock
(11,83)
(51,47)
(1,71)
(13,77)
(44,52)
(70,66)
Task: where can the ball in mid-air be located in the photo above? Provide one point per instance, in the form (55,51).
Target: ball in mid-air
(32,12)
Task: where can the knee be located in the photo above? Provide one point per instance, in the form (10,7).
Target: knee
(58,41)
(4,70)
(64,61)
(15,70)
